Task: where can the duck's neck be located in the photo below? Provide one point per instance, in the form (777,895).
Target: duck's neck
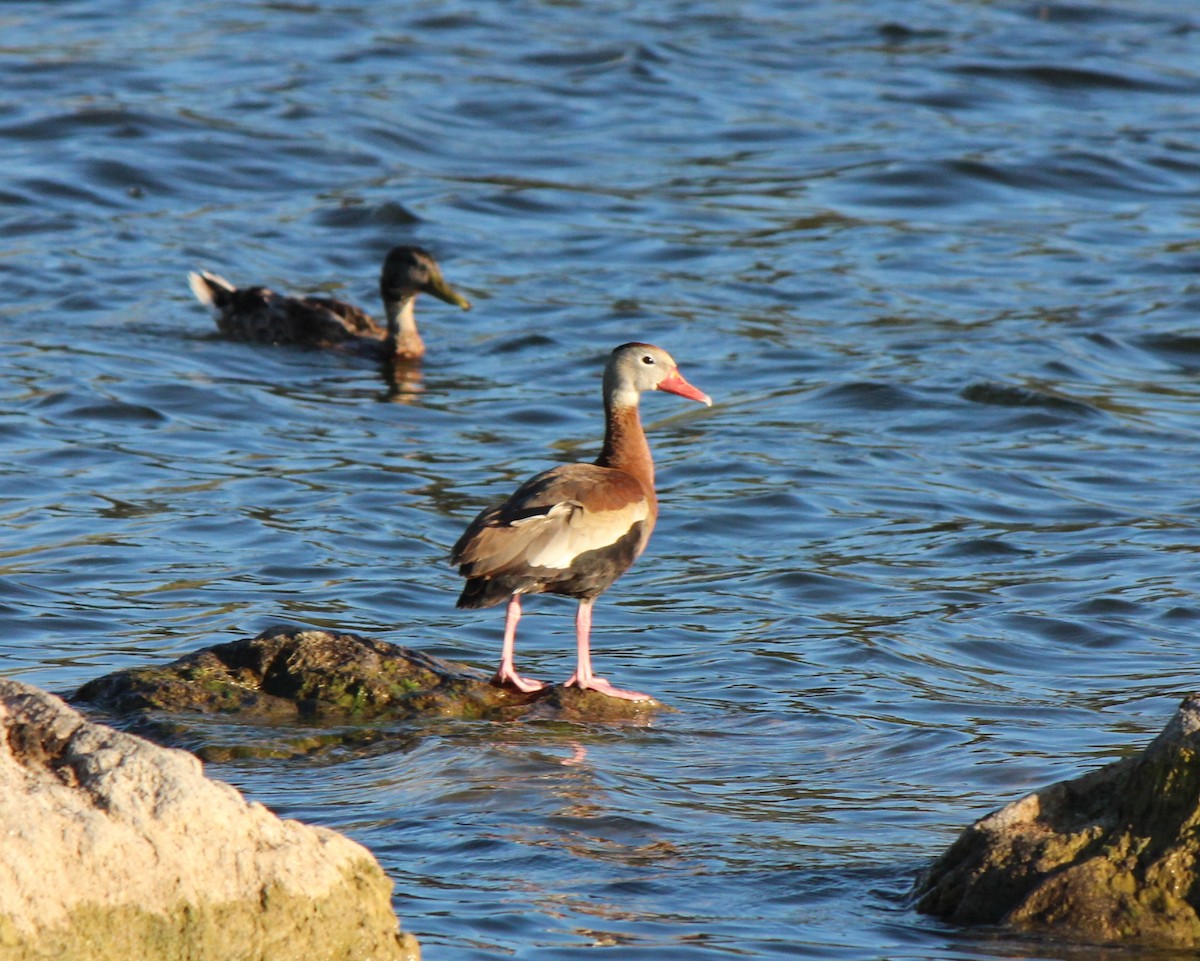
(403,341)
(625,446)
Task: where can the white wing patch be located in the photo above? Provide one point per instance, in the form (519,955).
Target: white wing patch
(570,530)
(202,284)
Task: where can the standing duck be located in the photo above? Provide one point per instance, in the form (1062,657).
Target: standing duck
(259,314)
(574,529)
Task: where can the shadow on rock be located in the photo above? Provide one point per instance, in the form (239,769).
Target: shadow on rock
(309,691)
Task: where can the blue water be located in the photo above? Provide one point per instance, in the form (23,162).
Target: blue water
(934,546)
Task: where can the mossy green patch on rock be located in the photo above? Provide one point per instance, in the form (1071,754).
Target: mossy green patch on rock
(290,675)
(275,926)
(1107,857)
(293,673)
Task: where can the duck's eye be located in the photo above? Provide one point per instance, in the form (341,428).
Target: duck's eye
(647,359)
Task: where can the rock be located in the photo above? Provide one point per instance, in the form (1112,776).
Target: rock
(1109,856)
(116,848)
(289,673)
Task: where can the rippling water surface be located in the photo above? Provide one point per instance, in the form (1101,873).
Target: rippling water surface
(935,545)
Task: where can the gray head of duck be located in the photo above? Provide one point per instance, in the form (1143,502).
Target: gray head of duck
(635,367)
(408,271)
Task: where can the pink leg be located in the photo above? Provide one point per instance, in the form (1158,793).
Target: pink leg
(506,674)
(583,678)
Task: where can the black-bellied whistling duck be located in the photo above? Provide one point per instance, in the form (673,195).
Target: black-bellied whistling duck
(259,314)
(576,528)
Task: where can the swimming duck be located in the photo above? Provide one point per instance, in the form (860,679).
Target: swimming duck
(574,529)
(259,314)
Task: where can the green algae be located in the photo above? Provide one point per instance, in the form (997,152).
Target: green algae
(352,922)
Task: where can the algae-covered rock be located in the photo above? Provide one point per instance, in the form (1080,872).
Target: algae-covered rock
(288,673)
(116,848)
(316,676)
(1109,856)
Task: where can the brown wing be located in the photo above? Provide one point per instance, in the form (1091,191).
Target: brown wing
(354,320)
(259,314)
(552,520)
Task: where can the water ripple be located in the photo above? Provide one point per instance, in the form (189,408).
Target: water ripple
(932,547)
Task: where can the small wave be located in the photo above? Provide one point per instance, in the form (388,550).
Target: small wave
(116,411)
(1009,395)
(116,122)
(386,214)
(984,547)
(1187,345)
(1063,632)
(962,182)
(871,395)
(924,185)
(1073,78)
(598,56)
(902,33)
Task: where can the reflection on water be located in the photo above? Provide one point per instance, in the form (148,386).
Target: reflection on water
(932,548)
(403,379)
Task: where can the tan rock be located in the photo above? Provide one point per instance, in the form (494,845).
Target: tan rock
(113,847)
(1109,856)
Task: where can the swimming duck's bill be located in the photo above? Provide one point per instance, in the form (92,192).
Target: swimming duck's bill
(443,291)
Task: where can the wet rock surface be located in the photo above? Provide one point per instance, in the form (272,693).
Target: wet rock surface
(118,848)
(340,688)
(1111,856)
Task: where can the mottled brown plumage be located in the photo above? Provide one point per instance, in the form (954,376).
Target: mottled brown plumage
(574,529)
(261,315)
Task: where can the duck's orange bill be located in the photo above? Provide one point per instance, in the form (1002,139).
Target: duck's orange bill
(675,384)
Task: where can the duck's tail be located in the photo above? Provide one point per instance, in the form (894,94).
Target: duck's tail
(210,289)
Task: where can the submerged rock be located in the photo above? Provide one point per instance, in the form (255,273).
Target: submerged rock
(118,848)
(325,677)
(1111,856)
